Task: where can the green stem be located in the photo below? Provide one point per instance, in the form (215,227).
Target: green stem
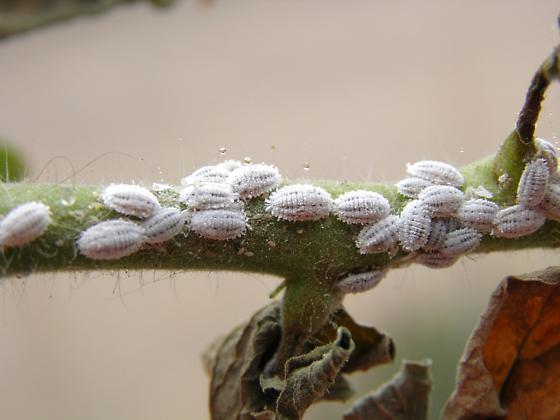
(18,16)
(324,248)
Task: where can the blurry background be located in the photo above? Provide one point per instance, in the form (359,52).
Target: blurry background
(354,90)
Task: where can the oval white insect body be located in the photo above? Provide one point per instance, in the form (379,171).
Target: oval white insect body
(415,226)
(219,225)
(361,282)
(547,151)
(516,221)
(24,224)
(461,241)
(132,200)
(299,202)
(361,207)
(436,172)
(206,174)
(208,196)
(111,240)
(438,235)
(411,187)
(478,213)
(435,259)
(441,200)
(551,202)
(253,180)
(163,225)
(380,237)
(533,183)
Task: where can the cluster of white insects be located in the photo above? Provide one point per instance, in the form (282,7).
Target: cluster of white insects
(438,224)
(214,198)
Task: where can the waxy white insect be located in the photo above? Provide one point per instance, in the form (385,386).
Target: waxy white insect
(551,202)
(111,240)
(132,200)
(163,225)
(411,187)
(230,165)
(219,225)
(24,224)
(516,221)
(361,207)
(361,282)
(435,259)
(208,196)
(299,202)
(206,174)
(478,213)
(547,151)
(533,183)
(253,180)
(461,241)
(415,226)
(438,235)
(441,200)
(436,172)
(380,237)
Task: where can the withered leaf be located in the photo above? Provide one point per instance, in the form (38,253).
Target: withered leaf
(235,391)
(309,376)
(511,364)
(405,397)
(372,347)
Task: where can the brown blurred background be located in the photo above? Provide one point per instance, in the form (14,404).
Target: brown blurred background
(355,89)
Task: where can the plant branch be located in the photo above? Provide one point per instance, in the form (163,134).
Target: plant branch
(321,251)
(18,16)
(547,72)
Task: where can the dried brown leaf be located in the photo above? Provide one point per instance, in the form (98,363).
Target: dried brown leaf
(405,397)
(235,391)
(310,376)
(511,365)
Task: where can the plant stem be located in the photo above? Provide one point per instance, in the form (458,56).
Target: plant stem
(546,73)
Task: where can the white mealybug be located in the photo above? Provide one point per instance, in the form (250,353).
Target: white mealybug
(361,282)
(206,174)
(208,196)
(361,207)
(551,202)
(380,237)
(478,213)
(461,241)
(441,200)
(516,221)
(436,172)
(411,187)
(132,200)
(219,225)
(435,259)
(163,225)
(533,183)
(438,234)
(253,180)
(111,240)
(24,224)
(230,165)
(547,151)
(299,202)
(415,226)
